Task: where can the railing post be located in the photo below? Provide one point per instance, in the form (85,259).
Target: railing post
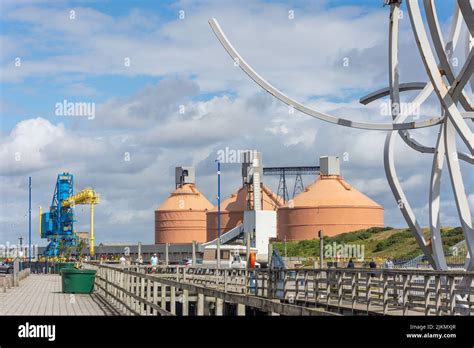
(129,289)
(306,289)
(438,294)
(368,291)
(328,288)
(126,297)
(173,300)
(426,279)
(297,286)
(149,310)
(385,293)
(185,303)
(339,276)
(106,285)
(240,309)
(354,289)
(452,297)
(219,306)
(247,282)
(405,293)
(225,280)
(136,305)
(163,296)
(116,283)
(155,295)
(316,277)
(200,304)
(142,295)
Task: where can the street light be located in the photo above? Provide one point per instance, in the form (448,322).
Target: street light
(20,251)
(218,213)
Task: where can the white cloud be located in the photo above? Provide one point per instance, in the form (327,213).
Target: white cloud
(302,57)
(189,48)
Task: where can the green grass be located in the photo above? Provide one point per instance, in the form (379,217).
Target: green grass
(378,242)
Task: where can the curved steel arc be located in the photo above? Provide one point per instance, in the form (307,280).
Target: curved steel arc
(435,201)
(468,14)
(451,122)
(435,75)
(458,188)
(407,138)
(450,46)
(441,48)
(468,48)
(389,147)
(383,92)
(297,105)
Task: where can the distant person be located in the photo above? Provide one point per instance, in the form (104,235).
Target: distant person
(388,263)
(122,260)
(350,264)
(139,260)
(372,265)
(154,262)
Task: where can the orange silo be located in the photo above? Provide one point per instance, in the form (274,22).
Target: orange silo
(181,218)
(329,204)
(232,210)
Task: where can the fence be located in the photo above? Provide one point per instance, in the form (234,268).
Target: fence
(40,267)
(134,290)
(382,291)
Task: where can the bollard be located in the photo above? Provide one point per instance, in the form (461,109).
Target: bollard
(16,272)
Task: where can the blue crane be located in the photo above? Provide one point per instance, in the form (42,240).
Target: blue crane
(57,224)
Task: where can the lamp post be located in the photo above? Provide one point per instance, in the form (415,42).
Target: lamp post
(29,220)
(218,213)
(20,251)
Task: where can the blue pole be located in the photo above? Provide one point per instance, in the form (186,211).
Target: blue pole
(219,200)
(29,222)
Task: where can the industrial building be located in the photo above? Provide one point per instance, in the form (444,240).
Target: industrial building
(330,204)
(254,212)
(181,218)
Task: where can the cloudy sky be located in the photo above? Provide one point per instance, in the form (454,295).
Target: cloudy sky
(167,94)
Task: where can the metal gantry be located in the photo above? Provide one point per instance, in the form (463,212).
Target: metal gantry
(456,106)
(283,172)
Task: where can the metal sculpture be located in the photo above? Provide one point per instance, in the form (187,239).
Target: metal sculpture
(456,109)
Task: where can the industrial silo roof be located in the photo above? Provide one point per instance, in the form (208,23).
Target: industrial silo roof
(238,200)
(186,197)
(331,191)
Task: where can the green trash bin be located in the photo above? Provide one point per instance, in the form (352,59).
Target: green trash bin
(78,281)
(58,266)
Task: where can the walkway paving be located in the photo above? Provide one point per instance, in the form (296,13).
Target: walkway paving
(41,295)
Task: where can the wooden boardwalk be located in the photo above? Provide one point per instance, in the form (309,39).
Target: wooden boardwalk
(41,295)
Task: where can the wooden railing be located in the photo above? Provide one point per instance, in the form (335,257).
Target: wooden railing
(134,290)
(381,291)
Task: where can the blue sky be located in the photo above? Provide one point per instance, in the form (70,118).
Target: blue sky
(179,63)
(43,92)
